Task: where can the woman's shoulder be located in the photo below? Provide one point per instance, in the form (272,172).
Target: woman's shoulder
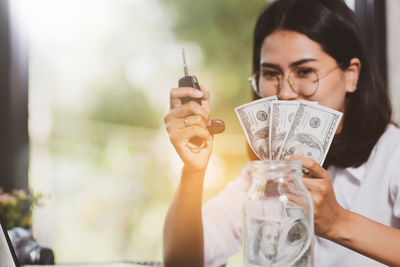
(391,137)
(388,145)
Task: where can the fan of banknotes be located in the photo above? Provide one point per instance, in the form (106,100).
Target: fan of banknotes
(276,128)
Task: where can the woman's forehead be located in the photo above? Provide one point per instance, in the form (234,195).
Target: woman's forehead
(285,47)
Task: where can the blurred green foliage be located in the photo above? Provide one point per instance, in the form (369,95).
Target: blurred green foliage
(224,31)
(123,104)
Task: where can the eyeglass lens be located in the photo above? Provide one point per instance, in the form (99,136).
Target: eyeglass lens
(303,81)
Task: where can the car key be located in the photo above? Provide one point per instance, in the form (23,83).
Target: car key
(216,126)
(188,81)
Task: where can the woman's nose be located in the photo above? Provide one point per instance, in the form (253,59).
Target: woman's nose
(286,92)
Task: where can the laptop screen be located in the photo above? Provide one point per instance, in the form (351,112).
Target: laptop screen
(7,255)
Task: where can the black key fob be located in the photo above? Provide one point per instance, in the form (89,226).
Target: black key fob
(189,81)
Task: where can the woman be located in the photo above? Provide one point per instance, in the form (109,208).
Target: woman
(356,193)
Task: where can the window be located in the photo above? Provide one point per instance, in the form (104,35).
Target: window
(393,24)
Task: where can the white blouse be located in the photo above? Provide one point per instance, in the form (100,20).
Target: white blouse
(372,190)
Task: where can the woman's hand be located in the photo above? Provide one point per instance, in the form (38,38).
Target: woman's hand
(328,214)
(187,122)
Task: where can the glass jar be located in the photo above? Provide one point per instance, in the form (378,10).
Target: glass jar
(278,223)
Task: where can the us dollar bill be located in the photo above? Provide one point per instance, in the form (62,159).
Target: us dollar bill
(282,115)
(263,242)
(254,118)
(280,242)
(311,132)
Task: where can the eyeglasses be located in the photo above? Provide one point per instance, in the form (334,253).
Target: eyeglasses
(304,81)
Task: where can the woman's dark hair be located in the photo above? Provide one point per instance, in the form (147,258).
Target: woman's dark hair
(335,28)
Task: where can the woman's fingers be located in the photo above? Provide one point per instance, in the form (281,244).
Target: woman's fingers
(179,123)
(315,186)
(206,98)
(182,137)
(316,170)
(196,131)
(188,109)
(187,126)
(178,93)
(326,207)
(188,122)
(180,110)
(318,179)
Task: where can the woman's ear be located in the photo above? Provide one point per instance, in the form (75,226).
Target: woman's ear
(351,74)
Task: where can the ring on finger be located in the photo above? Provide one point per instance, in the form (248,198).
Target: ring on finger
(185,122)
(305,171)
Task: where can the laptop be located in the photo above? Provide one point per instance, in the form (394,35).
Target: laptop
(7,254)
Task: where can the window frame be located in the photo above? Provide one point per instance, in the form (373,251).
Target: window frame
(14,139)
(372,16)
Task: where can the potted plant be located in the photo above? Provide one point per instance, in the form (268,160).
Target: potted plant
(16,207)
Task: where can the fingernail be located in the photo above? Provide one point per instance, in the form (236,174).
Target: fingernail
(198,93)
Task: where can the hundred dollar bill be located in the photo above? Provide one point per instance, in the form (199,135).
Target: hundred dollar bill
(263,242)
(280,242)
(282,114)
(311,132)
(254,118)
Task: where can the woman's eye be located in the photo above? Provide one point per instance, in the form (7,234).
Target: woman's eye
(304,72)
(269,74)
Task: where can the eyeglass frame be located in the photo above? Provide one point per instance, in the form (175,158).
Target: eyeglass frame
(253,81)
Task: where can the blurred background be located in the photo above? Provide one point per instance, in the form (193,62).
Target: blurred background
(100,72)
(98,78)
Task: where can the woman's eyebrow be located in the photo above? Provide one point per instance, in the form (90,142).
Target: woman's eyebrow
(292,65)
(270,65)
(301,61)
